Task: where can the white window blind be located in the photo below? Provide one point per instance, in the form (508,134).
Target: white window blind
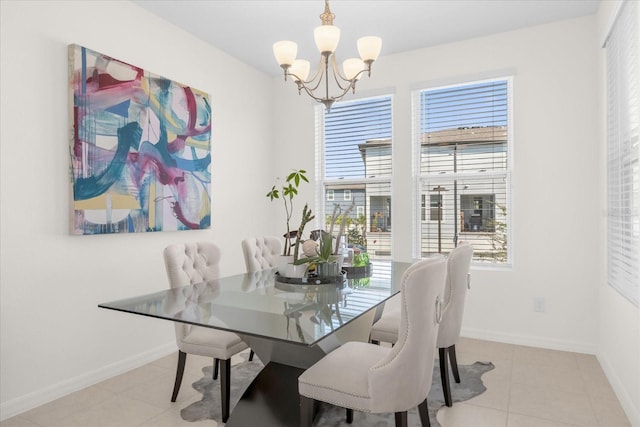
(463,171)
(622,153)
(353,158)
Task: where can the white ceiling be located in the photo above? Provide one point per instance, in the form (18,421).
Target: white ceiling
(247,29)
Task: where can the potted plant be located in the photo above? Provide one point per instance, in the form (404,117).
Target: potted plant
(327,263)
(287,193)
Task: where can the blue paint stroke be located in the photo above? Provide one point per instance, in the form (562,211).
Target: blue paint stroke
(192,165)
(87,188)
(121,109)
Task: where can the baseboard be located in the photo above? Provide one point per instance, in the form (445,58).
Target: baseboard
(29,401)
(630,407)
(530,341)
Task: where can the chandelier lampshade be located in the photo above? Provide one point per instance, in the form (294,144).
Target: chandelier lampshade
(299,70)
(285,51)
(369,48)
(327,37)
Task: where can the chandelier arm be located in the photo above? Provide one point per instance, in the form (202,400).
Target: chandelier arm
(336,71)
(344,92)
(345,88)
(326,75)
(338,77)
(306,84)
(317,75)
(365,70)
(310,93)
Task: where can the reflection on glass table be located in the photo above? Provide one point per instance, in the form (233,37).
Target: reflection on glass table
(289,330)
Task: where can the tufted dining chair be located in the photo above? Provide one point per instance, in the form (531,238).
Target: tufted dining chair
(457,285)
(261,252)
(188,264)
(376,379)
(455,294)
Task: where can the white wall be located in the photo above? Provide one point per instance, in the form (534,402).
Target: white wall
(555,202)
(54,339)
(619,325)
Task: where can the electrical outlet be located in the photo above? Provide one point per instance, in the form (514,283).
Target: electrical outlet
(539,305)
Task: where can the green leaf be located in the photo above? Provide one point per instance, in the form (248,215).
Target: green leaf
(273,194)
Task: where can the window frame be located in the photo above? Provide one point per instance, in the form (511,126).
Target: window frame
(418,178)
(322,183)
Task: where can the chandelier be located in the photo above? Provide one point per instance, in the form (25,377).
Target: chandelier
(327,37)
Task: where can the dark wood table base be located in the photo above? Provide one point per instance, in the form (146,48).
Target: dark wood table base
(268,400)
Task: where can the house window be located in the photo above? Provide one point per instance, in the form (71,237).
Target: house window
(461,150)
(355,146)
(435,207)
(477,213)
(330,196)
(623,149)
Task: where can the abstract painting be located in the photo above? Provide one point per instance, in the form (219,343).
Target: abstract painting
(140,149)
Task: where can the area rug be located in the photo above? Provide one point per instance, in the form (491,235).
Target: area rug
(243,372)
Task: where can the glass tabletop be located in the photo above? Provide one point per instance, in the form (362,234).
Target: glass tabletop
(259,305)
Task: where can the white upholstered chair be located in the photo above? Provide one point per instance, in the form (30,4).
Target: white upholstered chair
(261,252)
(455,294)
(376,379)
(457,284)
(187,264)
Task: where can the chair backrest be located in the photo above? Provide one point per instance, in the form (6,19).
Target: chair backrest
(402,379)
(187,264)
(261,252)
(455,294)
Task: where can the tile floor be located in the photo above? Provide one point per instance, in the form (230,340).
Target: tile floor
(530,387)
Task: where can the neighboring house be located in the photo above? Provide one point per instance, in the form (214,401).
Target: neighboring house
(472,213)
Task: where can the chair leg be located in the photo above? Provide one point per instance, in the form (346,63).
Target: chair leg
(225,387)
(182,358)
(252,353)
(454,363)
(401,419)
(306,411)
(216,366)
(349,415)
(444,376)
(423,410)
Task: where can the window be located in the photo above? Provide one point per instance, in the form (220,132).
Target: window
(477,213)
(354,149)
(623,176)
(435,207)
(461,147)
(330,196)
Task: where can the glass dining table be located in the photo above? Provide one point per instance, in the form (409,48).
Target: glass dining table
(289,325)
